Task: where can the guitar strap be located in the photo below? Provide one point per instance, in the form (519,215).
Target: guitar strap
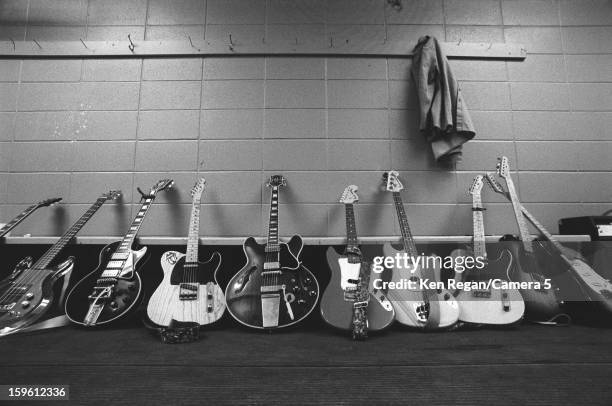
(177,332)
(359,324)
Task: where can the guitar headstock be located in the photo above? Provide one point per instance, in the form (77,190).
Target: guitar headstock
(495,185)
(503,167)
(391,182)
(276,181)
(198,188)
(48,202)
(162,185)
(349,196)
(112,194)
(476,187)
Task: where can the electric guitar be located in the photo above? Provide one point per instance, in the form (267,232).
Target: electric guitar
(421,308)
(27,294)
(24,214)
(350,302)
(487,306)
(594,286)
(113,290)
(189,291)
(541,305)
(273,289)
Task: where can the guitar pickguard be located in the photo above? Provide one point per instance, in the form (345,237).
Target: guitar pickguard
(348,272)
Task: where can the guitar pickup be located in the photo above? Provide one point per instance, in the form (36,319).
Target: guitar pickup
(188,291)
(273,288)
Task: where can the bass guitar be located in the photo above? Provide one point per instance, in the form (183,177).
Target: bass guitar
(113,290)
(421,308)
(350,301)
(541,305)
(28,292)
(273,289)
(189,291)
(595,287)
(5,229)
(487,306)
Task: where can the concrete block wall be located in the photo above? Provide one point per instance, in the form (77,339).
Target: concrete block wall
(75,128)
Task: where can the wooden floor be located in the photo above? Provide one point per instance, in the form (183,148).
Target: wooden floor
(532,364)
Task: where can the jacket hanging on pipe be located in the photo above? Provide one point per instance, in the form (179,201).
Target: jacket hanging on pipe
(444,117)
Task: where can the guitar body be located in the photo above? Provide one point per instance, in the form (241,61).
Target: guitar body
(338,311)
(541,305)
(28,286)
(123,298)
(166,304)
(495,306)
(243,293)
(409,304)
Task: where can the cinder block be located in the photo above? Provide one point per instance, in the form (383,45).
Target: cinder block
(48,126)
(294,154)
(172,69)
(295,94)
(482,12)
(240,34)
(551,187)
(13,30)
(486,96)
(109,95)
(404,124)
(589,68)
(166,156)
(290,123)
(303,33)
(358,123)
(13,11)
(230,155)
(482,155)
(170,95)
(116,12)
(45,96)
(52,221)
(6,126)
(535,12)
(55,33)
(169,124)
(231,220)
(586,12)
(594,156)
(549,213)
(176,12)
(234,68)
(303,219)
(55,156)
(180,193)
(6,151)
(597,187)
(295,68)
(166,220)
(591,96)
(116,33)
(427,219)
(29,188)
(235,12)
(547,156)
(232,94)
(429,187)
(357,94)
(411,33)
(289,12)
(111,70)
(232,187)
(9,70)
(358,155)
(400,68)
(472,33)
(58,12)
(86,187)
(402,94)
(239,124)
(539,40)
(103,156)
(415,12)
(538,68)
(492,125)
(355,12)
(175,32)
(370,219)
(490,71)
(107,125)
(356,68)
(111,219)
(539,96)
(545,125)
(355,33)
(411,154)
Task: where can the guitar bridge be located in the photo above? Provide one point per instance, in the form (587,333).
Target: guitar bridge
(188,291)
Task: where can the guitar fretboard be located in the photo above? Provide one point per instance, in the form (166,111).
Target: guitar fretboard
(194,231)
(128,240)
(480,249)
(50,255)
(520,220)
(407,238)
(14,222)
(352,245)
(272,244)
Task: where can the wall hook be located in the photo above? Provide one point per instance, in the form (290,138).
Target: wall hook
(82,42)
(36,42)
(459,43)
(331,42)
(191,43)
(296,42)
(231,43)
(490,45)
(131,45)
(13,42)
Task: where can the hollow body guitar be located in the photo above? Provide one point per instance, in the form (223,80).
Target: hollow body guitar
(113,291)
(273,290)
(189,291)
(487,306)
(341,303)
(28,292)
(421,308)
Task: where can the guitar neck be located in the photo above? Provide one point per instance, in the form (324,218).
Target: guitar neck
(194,232)
(352,244)
(480,249)
(128,240)
(407,238)
(50,255)
(15,222)
(520,220)
(272,244)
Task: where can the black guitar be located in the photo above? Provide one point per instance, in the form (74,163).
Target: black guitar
(27,293)
(113,290)
(273,289)
(4,230)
